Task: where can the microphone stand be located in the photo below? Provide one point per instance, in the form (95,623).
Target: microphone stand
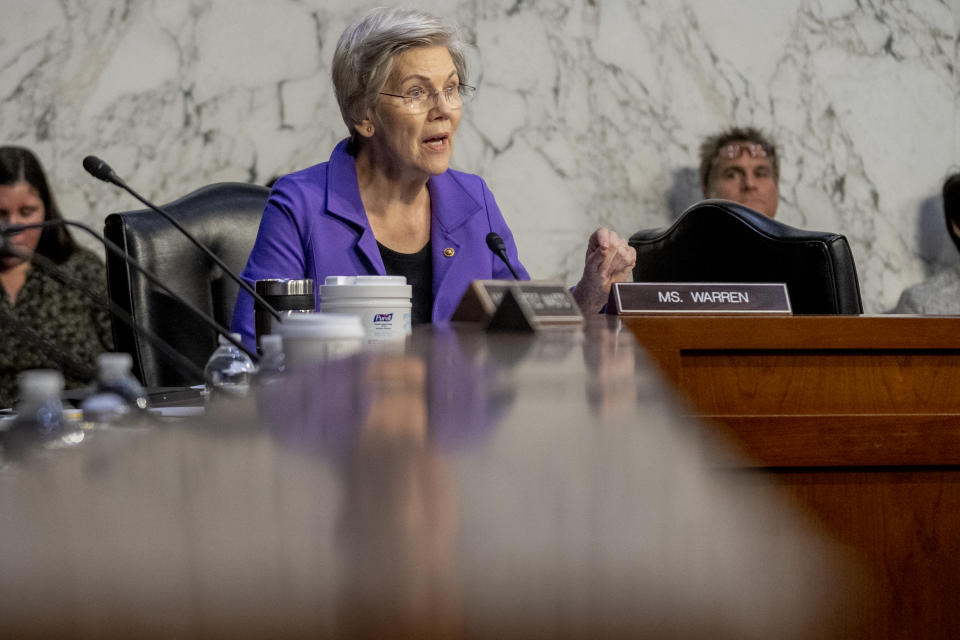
(102,171)
(48,265)
(114,249)
(48,347)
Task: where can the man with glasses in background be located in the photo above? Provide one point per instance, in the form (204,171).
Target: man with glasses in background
(740,164)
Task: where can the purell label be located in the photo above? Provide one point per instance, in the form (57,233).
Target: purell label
(386,325)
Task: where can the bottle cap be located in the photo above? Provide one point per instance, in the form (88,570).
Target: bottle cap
(285,287)
(271,343)
(223,339)
(40,384)
(114,364)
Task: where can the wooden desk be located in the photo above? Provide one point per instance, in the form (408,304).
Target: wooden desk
(859,418)
(470,485)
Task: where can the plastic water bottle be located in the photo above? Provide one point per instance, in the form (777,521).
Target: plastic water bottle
(40,419)
(115,395)
(114,376)
(272,362)
(229,370)
(40,410)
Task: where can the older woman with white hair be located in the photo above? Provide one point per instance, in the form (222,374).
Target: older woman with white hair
(386,202)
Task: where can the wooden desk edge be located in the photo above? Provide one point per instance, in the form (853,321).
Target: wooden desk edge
(796,332)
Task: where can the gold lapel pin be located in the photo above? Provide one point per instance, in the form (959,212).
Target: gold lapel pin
(448,252)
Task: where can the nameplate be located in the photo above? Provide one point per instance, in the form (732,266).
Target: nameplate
(539,303)
(532,306)
(480,301)
(752,298)
(547,299)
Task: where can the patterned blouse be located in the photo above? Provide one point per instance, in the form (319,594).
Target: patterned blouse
(53,325)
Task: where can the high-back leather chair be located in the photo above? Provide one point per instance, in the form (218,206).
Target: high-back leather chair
(722,241)
(225,217)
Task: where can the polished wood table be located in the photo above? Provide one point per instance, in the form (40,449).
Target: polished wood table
(461,485)
(858,418)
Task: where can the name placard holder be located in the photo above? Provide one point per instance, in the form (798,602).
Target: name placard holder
(708,298)
(504,305)
(480,301)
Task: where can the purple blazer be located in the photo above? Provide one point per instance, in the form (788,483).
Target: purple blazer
(314,226)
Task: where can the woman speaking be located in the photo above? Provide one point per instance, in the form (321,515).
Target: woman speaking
(387,202)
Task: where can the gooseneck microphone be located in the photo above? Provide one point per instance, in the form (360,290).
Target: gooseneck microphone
(102,171)
(499,247)
(114,249)
(26,334)
(55,352)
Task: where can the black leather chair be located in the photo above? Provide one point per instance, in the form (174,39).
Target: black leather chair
(225,217)
(722,241)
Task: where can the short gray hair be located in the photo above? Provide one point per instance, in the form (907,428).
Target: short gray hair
(366,49)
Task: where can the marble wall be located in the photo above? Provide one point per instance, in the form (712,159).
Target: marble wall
(589,112)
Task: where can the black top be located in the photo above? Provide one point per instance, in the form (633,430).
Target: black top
(418,270)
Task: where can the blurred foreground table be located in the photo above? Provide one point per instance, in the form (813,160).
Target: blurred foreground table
(859,418)
(468,485)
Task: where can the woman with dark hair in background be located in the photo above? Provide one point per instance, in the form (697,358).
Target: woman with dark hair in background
(940,293)
(44,323)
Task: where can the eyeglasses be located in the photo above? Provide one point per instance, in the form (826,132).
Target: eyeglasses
(421,101)
(737,149)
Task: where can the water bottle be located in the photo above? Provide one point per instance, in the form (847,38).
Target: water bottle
(40,409)
(229,370)
(272,362)
(114,376)
(40,418)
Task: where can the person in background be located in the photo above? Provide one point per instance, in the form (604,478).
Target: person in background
(939,294)
(44,323)
(387,201)
(740,164)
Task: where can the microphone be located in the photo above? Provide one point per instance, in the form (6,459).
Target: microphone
(102,171)
(114,249)
(54,351)
(497,245)
(40,343)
